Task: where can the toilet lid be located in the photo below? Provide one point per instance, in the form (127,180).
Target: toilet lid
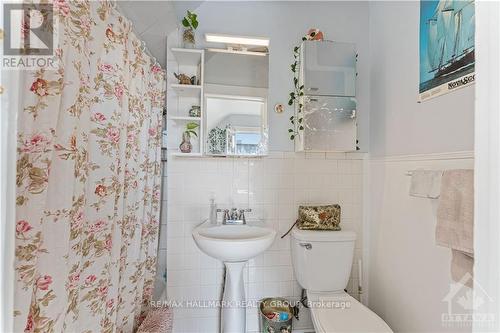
(343,313)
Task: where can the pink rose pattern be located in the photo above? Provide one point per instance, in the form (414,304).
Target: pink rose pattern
(23,227)
(44,282)
(74,279)
(101,190)
(113,135)
(37,143)
(62,7)
(106,68)
(99,117)
(40,87)
(119,91)
(90,279)
(100,275)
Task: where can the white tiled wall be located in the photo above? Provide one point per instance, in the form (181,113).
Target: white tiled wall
(272,187)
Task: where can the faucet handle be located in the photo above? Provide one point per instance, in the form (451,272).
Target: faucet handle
(241,215)
(226,216)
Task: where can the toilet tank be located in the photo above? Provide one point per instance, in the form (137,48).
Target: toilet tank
(322,260)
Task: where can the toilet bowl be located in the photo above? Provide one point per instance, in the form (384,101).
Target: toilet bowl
(322,262)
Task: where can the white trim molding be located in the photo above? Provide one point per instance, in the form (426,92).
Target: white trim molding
(458,155)
(487,165)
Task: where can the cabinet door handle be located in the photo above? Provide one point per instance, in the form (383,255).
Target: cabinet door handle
(307,246)
(312,89)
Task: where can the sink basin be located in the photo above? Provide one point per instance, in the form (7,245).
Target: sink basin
(233,243)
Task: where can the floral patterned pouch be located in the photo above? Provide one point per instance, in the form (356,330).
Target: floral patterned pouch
(319,217)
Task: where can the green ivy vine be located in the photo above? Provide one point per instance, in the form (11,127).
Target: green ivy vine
(298,91)
(295,95)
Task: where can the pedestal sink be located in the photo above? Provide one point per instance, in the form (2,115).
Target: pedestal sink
(234,245)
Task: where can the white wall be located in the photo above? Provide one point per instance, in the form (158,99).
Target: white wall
(273,187)
(409,275)
(285,23)
(400,125)
(152,21)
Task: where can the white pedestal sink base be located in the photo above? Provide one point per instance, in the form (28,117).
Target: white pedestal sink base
(234,245)
(233,319)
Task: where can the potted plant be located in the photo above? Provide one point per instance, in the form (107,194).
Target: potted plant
(186,145)
(190,23)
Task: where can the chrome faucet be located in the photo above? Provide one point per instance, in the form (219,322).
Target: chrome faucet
(234,216)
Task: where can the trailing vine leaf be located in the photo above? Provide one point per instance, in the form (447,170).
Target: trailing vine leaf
(296,94)
(298,91)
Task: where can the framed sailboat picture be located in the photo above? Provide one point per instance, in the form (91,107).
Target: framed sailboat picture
(446,46)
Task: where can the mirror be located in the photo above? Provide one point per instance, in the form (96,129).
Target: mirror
(236,125)
(235,103)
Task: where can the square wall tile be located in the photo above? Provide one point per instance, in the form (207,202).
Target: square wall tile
(273,188)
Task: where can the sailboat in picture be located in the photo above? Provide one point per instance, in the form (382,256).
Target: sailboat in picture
(449,43)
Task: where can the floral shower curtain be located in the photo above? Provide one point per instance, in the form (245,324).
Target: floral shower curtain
(88,178)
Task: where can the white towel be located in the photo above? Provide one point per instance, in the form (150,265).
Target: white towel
(461,264)
(455,215)
(455,220)
(426,183)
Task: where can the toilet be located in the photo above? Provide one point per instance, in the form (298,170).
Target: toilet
(322,263)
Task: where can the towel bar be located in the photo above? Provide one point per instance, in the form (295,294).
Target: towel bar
(410,172)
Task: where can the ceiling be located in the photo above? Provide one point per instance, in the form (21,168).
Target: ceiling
(154,20)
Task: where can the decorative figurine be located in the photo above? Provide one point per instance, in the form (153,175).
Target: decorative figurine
(184,79)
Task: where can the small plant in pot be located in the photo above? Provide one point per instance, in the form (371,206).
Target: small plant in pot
(190,23)
(186,145)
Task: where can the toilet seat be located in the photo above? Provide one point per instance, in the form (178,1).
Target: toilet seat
(342,313)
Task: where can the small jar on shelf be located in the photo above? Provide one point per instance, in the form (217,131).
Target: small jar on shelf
(195,111)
